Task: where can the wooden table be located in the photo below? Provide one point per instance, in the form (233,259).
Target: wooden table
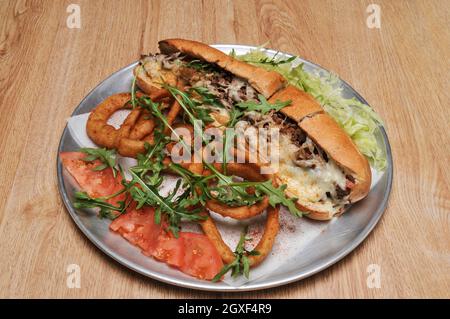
(402,69)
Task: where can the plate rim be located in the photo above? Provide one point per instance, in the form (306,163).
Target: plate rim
(221,287)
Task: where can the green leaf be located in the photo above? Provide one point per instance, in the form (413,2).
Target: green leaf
(107,157)
(271,61)
(263,106)
(150,165)
(222,272)
(200,65)
(193,110)
(206,96)
(235,115)
(90,158)
(158,216)
(245,266)
(229,192)
(106,210)
(241,264)
(174,208)
(278,196)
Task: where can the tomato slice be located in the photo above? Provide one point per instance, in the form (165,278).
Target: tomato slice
(95,183)
(201,258)
(139,228)
(170,250)
(192,253)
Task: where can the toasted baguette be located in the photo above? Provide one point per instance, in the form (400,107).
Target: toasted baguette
(265,82)
(302,104)
(304,109)
(326,133)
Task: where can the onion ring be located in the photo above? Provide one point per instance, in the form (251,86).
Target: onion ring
(264,245)
(97,127)
(127,126)
(105,135)
(143,127)
(248,172)
(129,147)
(240,212)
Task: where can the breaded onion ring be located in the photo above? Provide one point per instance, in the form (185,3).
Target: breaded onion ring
(129,147)
(128,125)
(143,127)
(272,226)
(97,127)
(240,212)
(267,240)
(264,245)
(249,172)
(105,135)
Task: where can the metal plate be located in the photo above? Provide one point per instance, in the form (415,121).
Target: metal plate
(338,239)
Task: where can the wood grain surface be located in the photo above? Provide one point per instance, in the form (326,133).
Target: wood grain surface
(402,69)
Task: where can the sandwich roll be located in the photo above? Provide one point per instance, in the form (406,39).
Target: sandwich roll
(302,103)
(319,162)
(265,82)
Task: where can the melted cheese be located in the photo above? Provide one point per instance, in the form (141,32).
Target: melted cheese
(308,185)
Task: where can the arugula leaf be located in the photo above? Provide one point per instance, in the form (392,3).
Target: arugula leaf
(206,96)
(272,61)
(240,265)
(192,108)
(263,106)
(176,210)
(150,165)
(235,116)
(278,196)
(230,192)
(201,66)
(107,157)
(194,182)
(83,200)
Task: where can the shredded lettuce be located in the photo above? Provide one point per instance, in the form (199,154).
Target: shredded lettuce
(357,119)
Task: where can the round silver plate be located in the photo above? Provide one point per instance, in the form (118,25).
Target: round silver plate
(338,239)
